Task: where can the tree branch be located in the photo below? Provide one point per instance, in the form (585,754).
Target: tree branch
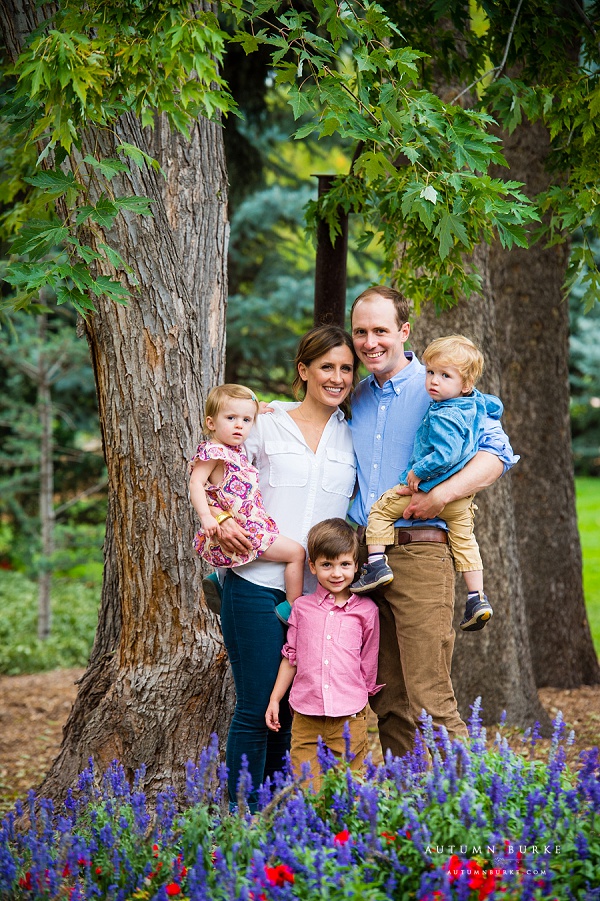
(496,69)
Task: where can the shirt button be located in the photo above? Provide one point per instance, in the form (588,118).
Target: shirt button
(331,613)
(375,465)
(378,437)
(372,494)
(326,662)
(382,407)
(328,637)
(326,686)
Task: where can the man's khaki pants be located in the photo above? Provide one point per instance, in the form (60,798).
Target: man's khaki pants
(416,644)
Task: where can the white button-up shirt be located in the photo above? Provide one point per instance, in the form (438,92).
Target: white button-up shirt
(299,488)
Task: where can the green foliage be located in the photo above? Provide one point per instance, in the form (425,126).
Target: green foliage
(419,176)
(74,613)
(84,69)
(588,519)
(584,366)
(64,359)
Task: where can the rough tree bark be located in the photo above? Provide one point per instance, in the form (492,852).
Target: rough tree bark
(157,684)
(494,663)
(532,319)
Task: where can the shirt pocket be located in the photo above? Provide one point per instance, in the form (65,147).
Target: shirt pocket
(339,472)
(349,635)
(288,466)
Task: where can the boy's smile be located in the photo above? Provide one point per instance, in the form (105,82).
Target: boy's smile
(335,575)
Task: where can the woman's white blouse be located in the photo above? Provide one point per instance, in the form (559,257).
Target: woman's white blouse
(300,488)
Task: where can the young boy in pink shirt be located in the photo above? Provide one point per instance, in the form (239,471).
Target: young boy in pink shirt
(330,655)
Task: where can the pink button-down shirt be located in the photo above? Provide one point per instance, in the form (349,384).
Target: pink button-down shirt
(335,651)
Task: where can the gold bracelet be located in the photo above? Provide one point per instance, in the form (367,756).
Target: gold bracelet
(221,517)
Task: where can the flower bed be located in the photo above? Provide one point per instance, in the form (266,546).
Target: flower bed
(479,822)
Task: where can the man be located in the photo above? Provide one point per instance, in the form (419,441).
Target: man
(416,609)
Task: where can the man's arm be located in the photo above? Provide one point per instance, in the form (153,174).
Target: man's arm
(479,473)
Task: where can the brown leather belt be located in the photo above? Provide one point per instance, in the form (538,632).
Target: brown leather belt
(406,535)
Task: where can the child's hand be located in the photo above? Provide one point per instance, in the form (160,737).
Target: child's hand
(272,716)
(210,526)
(403,490)
(412,481)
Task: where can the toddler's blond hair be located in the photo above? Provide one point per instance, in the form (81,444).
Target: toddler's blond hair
(456,350)
(217,397)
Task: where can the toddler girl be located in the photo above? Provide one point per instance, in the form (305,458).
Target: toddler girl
(222,478)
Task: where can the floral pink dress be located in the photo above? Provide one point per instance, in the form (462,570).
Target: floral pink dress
(239,495)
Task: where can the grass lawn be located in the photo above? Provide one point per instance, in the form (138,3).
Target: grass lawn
(588,515)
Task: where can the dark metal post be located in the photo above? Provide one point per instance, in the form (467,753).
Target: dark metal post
(330,269)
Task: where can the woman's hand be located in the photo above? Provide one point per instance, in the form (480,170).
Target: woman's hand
(233,538)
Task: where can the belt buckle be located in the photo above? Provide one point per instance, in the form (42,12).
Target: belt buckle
(406,536)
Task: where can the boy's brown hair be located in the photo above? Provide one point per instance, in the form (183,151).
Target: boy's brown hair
(456,350)
(330,539)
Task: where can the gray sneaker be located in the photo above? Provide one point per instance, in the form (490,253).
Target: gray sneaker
(212,592)
(373,575)
(477,613)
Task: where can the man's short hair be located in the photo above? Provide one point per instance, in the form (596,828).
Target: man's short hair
(402,304)
(458,351)
(332,538)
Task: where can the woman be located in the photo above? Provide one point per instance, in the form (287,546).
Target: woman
(303,453)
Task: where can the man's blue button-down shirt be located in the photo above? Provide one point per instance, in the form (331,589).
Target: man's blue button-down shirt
(384,424)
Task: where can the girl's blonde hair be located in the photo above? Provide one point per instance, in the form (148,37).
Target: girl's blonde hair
(456,350)
(217,397)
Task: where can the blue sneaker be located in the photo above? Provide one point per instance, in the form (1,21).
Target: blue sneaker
(212,592)
(373,575)
(477,612)
(282,612)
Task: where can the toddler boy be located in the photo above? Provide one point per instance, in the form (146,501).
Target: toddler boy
(446,440)
(330,654)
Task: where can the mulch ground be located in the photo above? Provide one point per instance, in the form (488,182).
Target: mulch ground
(34,708)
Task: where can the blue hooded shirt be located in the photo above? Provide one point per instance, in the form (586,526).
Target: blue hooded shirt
(449,436)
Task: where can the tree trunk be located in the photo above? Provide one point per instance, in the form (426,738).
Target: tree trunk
(494,663)
(44,405)
(533,342)
(158,680)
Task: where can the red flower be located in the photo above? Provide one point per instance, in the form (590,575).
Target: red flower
(172,888)
(155,850)
(389,837)
(279,875)
(485,883)
(66,870)
(98,871)
(342,837)
(25,881)
(408,833)
(454,867)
